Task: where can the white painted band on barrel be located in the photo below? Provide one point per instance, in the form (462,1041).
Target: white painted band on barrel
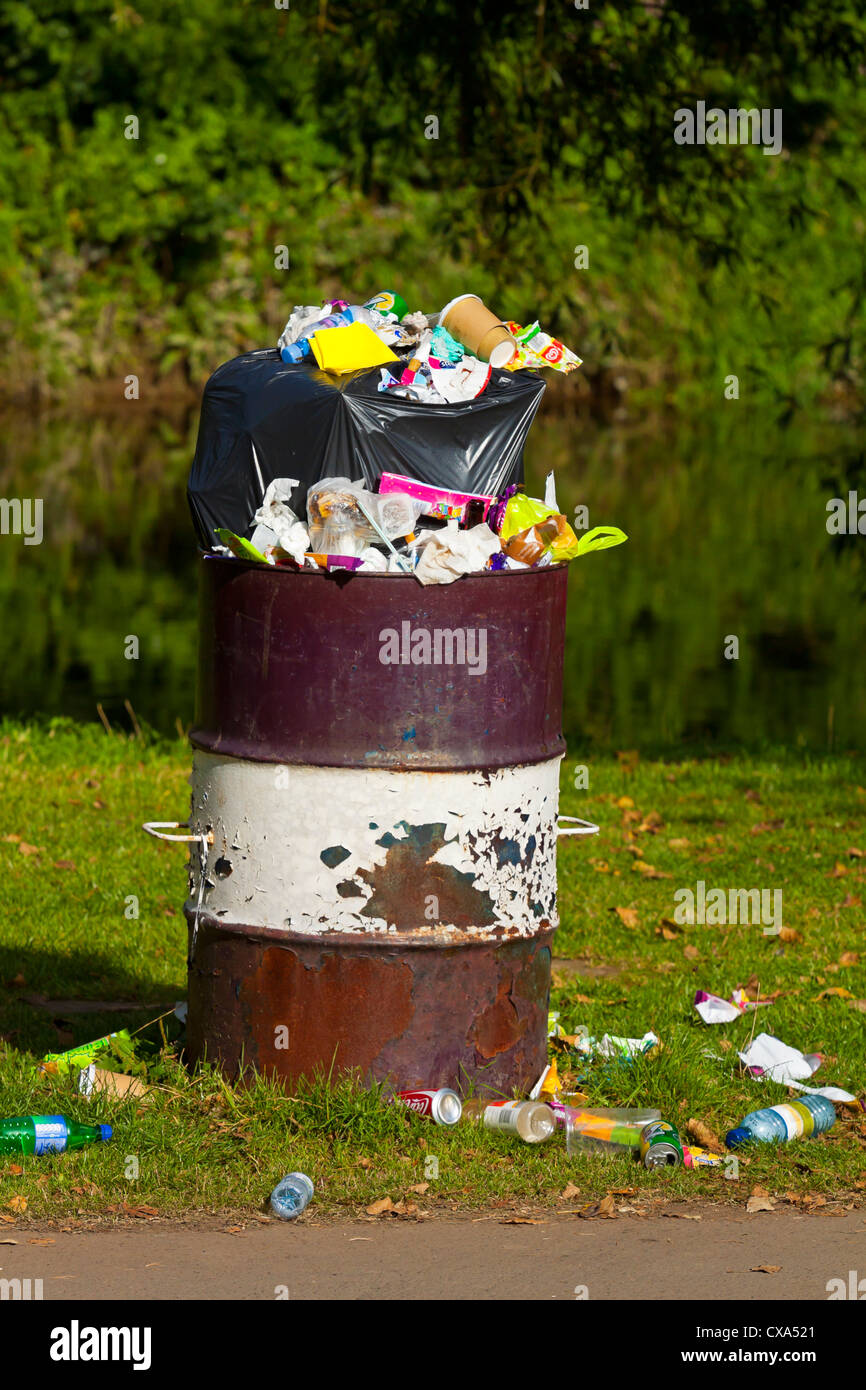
(272,826)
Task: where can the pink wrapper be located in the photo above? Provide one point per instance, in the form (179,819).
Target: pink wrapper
(438,501)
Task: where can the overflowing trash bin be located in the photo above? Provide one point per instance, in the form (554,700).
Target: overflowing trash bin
(378,736)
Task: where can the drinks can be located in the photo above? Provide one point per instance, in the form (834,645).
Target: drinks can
(389,304)
(443,1107)
(660,1146)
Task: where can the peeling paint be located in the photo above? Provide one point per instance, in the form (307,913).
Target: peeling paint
(432,856)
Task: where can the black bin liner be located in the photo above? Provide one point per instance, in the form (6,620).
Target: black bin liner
(263,419)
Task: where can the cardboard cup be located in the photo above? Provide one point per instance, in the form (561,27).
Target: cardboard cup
(481,333)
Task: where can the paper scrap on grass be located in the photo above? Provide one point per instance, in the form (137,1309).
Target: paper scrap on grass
(767,1056)
(713,1009)
(611,1046)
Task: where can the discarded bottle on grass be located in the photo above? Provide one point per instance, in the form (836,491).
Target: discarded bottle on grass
(46,1134)
(799,1119)
(291,1195)
(605,1129)
(531,1119)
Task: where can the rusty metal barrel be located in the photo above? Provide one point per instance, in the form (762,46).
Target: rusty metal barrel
(375,787)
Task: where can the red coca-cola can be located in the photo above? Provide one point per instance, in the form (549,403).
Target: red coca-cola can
(443,1107)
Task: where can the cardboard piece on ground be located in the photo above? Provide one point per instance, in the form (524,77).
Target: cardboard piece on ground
(114,1083)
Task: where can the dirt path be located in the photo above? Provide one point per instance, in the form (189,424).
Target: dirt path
(655,1257)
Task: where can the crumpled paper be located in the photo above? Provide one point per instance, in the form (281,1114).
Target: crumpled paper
(277,524)
(611,1046)
(449,554)
(714,1009)
(768,1057)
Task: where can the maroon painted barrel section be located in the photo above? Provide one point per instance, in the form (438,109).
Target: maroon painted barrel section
(291,669)
(292,1006)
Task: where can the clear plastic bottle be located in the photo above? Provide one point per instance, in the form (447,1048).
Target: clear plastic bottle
(609,1130)
(532,1120)
(291,1195)
(777,1123)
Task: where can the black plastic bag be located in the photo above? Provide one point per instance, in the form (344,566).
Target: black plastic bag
(262,419)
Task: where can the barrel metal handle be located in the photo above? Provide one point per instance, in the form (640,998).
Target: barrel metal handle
(579,827)
(156,827)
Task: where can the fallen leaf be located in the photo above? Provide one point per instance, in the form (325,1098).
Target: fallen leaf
(691,953)
(839,870)
(568,1192)
(858,1004)
(379,1208)
(789,934)
(640,866)
(764,825)
(682,1215)
(765,1269)
(725,1044)
(703,1135)
(759,1200)
(12,839)
(849,958)
(851,900)
(46,1241)
(628,916)
(24,848)
(601,866)
(13,1171)
(606,1207)
(17,1204)
(8,1242)
(64,864)
(837,992)
(420,1188)
(521,1221)
(668,932)
(142,1211)
(679,844)
(856,853)
(364,1163)
(625,803)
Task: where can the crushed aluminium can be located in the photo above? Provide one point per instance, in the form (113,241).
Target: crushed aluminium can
(660,1146)
(443,1107)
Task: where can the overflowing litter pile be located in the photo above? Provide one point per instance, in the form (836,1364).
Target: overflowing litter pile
(404,433)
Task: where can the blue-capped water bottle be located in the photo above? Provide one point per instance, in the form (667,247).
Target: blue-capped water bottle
(296,352)
(291,1196)
(780,1123)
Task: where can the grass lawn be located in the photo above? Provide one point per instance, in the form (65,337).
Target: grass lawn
(73,857)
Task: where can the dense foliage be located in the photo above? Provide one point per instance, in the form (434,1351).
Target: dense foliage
(435,148)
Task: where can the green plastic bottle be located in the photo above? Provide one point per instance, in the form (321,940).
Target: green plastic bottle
(46,1134)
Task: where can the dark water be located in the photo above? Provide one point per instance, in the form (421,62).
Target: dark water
(727,525)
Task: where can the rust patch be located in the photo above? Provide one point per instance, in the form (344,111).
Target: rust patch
(404,885)
(337,1007)
(522,994)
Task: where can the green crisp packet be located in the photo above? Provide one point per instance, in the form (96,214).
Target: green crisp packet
(77,1058)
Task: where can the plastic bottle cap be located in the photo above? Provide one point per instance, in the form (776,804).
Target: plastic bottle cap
(105,1133)
(735,1137)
